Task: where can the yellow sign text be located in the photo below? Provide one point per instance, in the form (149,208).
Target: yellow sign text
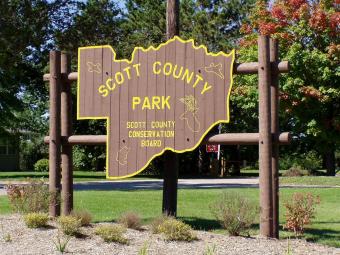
(118,79)
(155,102)
(178,72)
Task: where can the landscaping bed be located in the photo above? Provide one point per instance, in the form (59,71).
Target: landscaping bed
(41,241)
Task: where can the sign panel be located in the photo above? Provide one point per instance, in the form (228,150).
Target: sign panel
(212,148)
(164,98)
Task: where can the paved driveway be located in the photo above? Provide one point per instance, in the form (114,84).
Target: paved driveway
(182,183)
(158,184)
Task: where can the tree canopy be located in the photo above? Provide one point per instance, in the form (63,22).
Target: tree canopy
(309,39)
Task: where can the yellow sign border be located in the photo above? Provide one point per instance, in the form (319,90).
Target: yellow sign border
(232,53)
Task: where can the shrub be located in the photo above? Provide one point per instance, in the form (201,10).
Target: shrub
(157,222)
(295,171)
(310,161)
(36,220)
(210,250)
(31,197)
(130,220)
(69,225)
(176,230)
(111,233)
(300,210)
(84,216)
(61,243)
(235,213)
(41,165)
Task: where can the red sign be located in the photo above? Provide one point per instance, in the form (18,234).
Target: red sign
(212,148)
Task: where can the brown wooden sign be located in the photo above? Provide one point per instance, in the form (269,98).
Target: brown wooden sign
(164,98)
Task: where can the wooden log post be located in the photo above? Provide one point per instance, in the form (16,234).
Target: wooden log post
(274,94)
(66,130)
(265,140)
(170,183)
(54,145)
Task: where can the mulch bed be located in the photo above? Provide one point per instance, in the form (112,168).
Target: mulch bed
(40,241)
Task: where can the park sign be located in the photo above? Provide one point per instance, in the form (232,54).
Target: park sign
(164,98)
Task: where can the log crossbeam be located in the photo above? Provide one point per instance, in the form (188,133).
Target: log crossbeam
(223,139)
(239,68)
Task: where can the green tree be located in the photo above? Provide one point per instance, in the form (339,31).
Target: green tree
(214,23)
(310,94)
(26,35)
(94,23)
(22,33)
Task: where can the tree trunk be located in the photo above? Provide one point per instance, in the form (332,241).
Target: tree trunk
(235,158)
(329,158)
(203,160)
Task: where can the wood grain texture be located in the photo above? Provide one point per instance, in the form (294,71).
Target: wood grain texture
(164,98)
(55,133)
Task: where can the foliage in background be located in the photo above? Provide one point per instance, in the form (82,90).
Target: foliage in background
(308,37)
(26,36)
(236,214)
(33,197)
(295,171)
(32,148)
(300,210)
(41,165)
(310,95)
(310,161)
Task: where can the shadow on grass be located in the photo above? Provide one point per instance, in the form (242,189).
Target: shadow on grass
(319,234)
(19,175)
(201,224)
(315,235)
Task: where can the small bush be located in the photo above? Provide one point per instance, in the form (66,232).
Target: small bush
(176,230)
(6,236)
(236,214)
(111,233)
(130,220)
(41,165)
(295,171)
(36,220)
(69,225)
(61,243)
(300,210)
(84,216)
(31,197)
(310,161)
(155,224)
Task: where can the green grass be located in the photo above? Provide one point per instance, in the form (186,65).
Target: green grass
(78,176)
(193,208)
(312,180)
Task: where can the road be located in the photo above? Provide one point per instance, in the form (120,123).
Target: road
(157,184)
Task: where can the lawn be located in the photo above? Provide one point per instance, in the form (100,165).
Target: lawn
(78,176)
(312,180)
(193,207)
